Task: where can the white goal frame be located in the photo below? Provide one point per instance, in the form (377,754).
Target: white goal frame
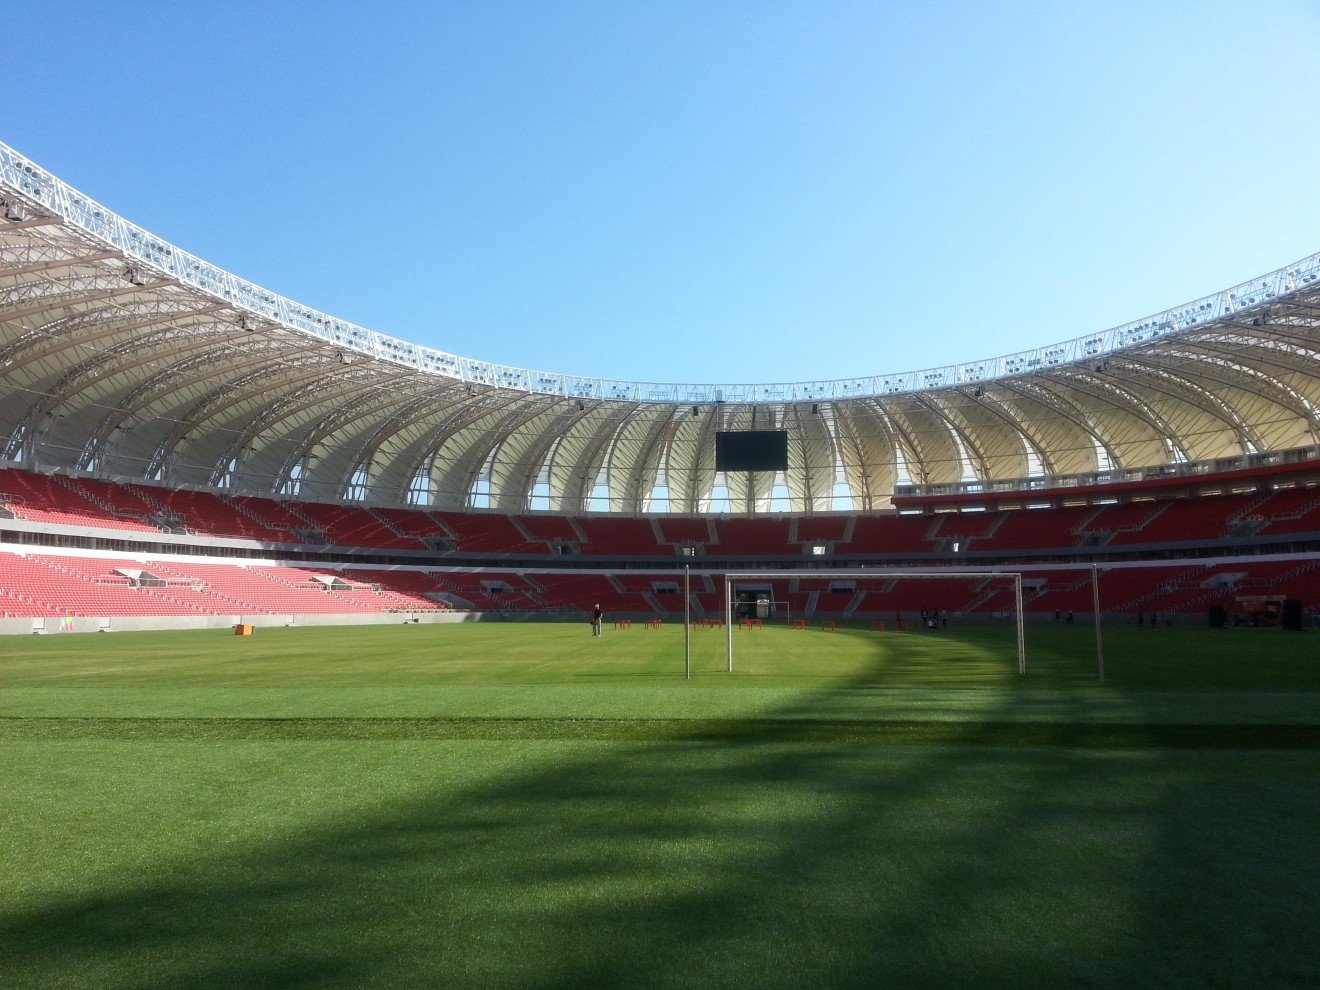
(943,573)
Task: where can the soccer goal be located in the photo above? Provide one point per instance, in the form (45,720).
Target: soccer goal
(1002,578)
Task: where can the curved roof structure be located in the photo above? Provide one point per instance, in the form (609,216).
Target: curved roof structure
(126,357)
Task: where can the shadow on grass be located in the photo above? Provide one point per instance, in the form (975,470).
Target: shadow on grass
(733,860)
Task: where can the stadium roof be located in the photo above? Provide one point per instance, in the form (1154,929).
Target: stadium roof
(126,357)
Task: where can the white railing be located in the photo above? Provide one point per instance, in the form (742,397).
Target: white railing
(1187,469)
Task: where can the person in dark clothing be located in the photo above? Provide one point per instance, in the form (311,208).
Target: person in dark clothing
(596,616)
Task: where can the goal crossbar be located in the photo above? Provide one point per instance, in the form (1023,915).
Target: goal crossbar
(946,575)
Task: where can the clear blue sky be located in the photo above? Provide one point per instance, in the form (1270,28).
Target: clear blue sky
(694,192)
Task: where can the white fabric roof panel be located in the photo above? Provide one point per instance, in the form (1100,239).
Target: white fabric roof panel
(128,358)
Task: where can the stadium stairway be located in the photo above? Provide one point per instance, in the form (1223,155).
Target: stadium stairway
(119,502)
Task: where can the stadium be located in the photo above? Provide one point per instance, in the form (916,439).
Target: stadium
(412,542)
(252,460)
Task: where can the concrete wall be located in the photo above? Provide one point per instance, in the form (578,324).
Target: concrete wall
(121,623)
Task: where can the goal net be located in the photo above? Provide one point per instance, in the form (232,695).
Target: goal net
(900,593)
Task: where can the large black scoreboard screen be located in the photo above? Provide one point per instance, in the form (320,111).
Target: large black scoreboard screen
(751,450)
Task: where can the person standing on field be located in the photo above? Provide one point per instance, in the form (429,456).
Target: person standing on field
(596,616)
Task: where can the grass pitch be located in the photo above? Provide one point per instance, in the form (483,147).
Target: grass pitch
(523,805)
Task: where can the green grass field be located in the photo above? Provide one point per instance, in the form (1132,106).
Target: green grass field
(521,805)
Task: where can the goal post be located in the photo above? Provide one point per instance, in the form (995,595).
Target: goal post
(869,575)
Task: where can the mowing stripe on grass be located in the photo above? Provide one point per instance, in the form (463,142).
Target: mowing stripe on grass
(987,733)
